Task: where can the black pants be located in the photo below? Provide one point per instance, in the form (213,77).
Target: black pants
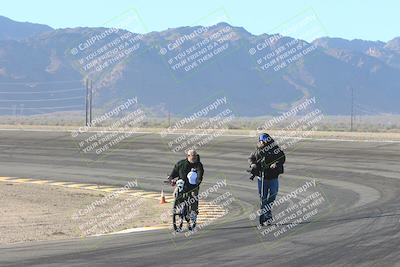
(193,193)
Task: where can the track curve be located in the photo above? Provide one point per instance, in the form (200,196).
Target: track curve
(358,225)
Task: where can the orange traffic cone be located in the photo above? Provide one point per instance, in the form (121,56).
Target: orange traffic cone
(162,198)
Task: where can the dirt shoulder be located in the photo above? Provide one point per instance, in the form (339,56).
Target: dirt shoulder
(32,212)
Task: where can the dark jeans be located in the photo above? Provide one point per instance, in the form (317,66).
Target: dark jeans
(195,205)
(268,195)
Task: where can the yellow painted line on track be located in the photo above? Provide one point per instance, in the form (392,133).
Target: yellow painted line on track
(21,180)
(208,217)
(208,211)
(5,178)
(77,185)
(138,194)
(59,183)
(108,189)
(41,182)
(212,211)
(92,187)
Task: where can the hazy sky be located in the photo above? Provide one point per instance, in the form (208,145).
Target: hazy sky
(350,19)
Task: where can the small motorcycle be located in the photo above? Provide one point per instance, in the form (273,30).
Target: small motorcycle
(182,208)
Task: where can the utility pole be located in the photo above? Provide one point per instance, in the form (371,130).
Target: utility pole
(87,102)
(90,102)
(352,109)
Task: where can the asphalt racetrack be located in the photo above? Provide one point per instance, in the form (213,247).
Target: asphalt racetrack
(355,222)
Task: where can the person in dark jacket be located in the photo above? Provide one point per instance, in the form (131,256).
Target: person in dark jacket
(191,171)
(266,163)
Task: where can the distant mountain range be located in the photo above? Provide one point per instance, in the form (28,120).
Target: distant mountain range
(43,70)
(12,30)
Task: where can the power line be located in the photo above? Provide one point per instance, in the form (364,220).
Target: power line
(36,100)
(34,83)
(41,92)
(11,108)
(366,108)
